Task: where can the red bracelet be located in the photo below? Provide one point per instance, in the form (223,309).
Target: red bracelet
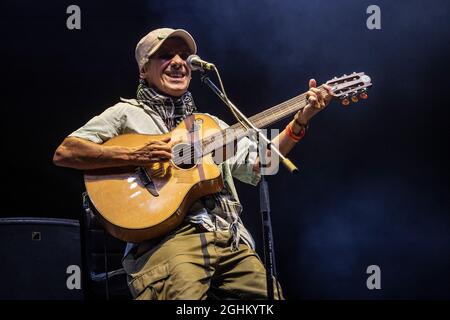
(292,135)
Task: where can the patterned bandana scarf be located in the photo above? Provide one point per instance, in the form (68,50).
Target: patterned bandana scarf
(171,110)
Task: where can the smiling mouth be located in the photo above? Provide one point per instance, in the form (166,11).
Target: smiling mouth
(177,75)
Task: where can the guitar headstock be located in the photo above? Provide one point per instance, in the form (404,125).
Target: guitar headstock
(350,88)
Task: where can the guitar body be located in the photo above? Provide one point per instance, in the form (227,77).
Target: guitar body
(136,205)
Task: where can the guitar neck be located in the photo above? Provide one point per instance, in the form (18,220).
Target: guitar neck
(260,120)
(277,113)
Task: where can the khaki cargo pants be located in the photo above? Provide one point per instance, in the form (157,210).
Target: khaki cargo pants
(194,264)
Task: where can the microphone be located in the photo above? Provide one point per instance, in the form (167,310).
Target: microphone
(195,63)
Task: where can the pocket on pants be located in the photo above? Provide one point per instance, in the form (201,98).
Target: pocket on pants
(149,285)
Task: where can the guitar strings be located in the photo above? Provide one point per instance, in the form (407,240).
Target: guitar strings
(262,119)
(277,112)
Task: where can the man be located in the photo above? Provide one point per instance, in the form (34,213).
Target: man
(211,255)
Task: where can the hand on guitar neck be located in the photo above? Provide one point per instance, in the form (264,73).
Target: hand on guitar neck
(318,100)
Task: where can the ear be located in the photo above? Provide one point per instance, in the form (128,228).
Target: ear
(144,69)
(142,72)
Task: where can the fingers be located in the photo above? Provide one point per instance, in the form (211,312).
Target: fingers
(319,95)
(312,98)
(159,147)
(319,98)
(163,144)
(160,154)
(314,95)
(315,98)
(156,156)
(167,141)
(154,151)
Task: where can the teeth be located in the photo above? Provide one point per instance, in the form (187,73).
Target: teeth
(175,75)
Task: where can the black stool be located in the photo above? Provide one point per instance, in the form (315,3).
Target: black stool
(104,276)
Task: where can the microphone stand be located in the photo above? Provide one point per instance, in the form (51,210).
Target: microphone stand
(269,250)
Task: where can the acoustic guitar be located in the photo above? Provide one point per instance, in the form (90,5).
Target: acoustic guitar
(140,203)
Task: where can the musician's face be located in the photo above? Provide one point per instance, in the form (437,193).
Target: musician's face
(167,69)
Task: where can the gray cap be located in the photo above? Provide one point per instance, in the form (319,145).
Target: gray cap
(154,39)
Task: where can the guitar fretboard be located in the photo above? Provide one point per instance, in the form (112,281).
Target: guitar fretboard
(260,120)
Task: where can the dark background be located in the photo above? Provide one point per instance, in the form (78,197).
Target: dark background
(374,182)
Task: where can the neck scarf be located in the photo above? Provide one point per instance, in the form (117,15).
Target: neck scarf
(172,110)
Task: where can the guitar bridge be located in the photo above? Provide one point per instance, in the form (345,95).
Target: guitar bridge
(147,181)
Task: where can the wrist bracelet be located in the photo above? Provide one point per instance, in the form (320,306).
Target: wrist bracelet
(294,136)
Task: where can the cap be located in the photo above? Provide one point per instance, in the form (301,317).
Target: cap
(154,39)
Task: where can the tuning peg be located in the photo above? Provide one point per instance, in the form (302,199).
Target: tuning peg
(363,96)
(354,99)
(345,102)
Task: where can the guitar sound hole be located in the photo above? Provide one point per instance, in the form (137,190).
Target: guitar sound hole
(185,155)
